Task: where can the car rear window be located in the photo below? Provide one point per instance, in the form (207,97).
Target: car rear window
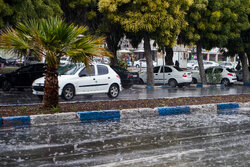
(230,70)
(102,70)
(166,69)
(178,68)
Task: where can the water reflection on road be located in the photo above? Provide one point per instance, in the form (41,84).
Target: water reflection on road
(197,139)
(137,92)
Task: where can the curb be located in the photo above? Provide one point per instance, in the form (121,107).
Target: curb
(207,86)
(113,115)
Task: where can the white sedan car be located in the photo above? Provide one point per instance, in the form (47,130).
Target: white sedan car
(75,79)
(226,64)
(206,65)
(172,75)
(227,76)
(142,63)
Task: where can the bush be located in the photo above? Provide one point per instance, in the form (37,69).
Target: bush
(214,78)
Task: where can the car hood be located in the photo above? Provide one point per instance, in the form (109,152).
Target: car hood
(60,79)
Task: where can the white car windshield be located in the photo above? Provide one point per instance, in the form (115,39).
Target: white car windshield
(69,69)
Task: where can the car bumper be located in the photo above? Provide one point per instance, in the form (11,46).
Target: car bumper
(185,80)
(38,90)
(39,93)
(233,80)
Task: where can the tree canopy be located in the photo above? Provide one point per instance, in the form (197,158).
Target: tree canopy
(159,19)
(14,11)
(211,23)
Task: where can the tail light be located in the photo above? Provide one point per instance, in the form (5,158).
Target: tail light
(184,75)
(130,76)
(230,74)
(118,76)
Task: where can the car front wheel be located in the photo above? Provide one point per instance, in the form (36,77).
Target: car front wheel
(113,91)
(68,92)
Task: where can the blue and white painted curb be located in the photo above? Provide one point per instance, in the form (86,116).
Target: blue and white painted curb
(227,108)
(96,116)
(207,86)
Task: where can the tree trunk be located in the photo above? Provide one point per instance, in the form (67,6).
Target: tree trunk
(114,60)
(148,55)
(243,59)
(50,98)
(169,56)
(112,42)
(200,63)
(248,57)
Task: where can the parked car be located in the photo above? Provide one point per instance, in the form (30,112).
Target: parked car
(227,75)
(23,61)
(3,60)
(76,79)
(127,78)
(11,61)
(190,63)
(22,77)
(226,64)
(64,61)
(142,63)
(239,74)
(206,65)
(174,76)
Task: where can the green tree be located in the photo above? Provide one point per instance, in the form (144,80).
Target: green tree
(52,38)
(85,12)
(14,11)
(159,20)
(213,22)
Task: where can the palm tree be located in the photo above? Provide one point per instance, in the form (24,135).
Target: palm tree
(52,38)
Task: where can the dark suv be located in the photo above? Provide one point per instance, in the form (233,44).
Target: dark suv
(127,78)
(22,77)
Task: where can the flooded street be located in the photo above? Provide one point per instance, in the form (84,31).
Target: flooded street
(197,139)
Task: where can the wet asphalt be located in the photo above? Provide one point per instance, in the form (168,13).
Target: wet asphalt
(15,97)
(196,139)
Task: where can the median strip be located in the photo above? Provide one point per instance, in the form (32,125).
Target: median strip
(173,110)
(15,121)
(227,108)
(99,115)
(112,115)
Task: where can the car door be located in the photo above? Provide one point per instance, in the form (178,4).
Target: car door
(143,63)
(103,78)
(39,71)
(23,76)
(165,74)
(86,82)
(156,74)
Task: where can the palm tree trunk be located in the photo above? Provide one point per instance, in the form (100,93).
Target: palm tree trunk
(200,63)
(50,98)
(148,55)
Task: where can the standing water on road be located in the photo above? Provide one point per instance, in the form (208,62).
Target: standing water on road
(197,139)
